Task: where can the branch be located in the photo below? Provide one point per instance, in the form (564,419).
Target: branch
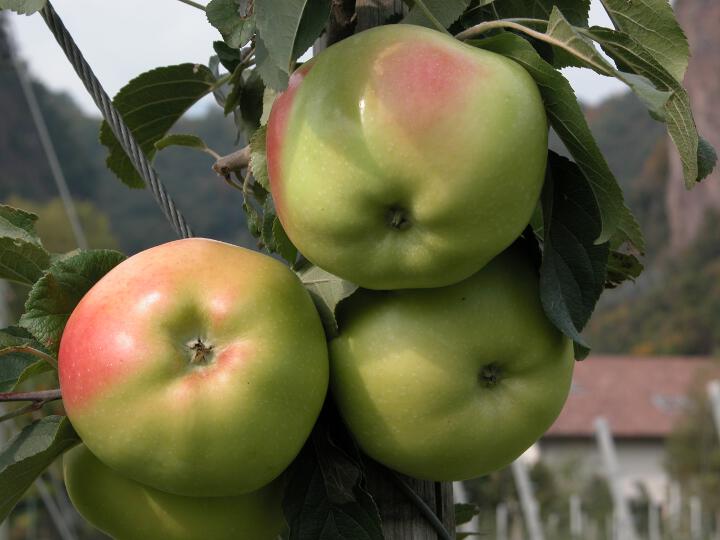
(37,399)
(233,163)
(193,4)
(479,29)
(38,396)
(343,20)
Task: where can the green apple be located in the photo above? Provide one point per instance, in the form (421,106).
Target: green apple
(128,510)
(455,382)
(403,158)
(195,367)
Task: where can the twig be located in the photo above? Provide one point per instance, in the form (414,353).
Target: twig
(23,410)
(479,29)
(233,163)
(40,395)
(421,505)
(38,401)
(29,350)
(343,20)
(193,4)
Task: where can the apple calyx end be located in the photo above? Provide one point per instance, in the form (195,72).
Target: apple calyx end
(398,218)
(489,376)
(201,353)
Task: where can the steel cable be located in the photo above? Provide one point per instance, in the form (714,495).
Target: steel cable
(115,121)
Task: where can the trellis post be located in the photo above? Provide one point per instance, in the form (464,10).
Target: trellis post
(402,518)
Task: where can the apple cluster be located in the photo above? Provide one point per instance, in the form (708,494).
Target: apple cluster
(403,161)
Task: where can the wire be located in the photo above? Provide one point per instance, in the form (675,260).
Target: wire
(115,121)
(53,162)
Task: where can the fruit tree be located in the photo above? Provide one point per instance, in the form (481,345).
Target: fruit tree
(429,266)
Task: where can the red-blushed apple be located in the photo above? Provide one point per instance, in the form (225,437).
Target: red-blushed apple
(455,382)
(403,158)
(128,510)
(195,367)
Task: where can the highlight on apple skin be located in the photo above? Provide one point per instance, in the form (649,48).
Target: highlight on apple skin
(403,158)
(455,382)
(195,367)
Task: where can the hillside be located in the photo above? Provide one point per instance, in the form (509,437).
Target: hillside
(211,207)
(670,309)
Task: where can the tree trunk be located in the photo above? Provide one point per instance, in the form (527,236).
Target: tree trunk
(402,520)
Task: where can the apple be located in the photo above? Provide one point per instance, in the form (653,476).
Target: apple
(195,367)
(128,510)
(451,383)
(403,158)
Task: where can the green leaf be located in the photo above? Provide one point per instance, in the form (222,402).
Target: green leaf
(465,512)
(250,101)
(283,245)
(573,269)
(573,42)
(653,23)
(325,497)
(707,158)
(258,158)
(54,297)
(17,367)
(567,119)
(445,11)
(28,454)
(576,11)
(177,139)
(271,74)
(697,156)
(22,256)
(621,267)
(327,291)
(228,56)
(150,104)
(289,27)
(234,19)
(23,7)
(269,97)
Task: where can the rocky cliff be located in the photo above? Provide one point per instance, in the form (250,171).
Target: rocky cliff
(686,210)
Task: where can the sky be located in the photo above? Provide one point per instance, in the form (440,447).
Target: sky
(121,39)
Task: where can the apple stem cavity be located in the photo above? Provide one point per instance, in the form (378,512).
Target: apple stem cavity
(489,375)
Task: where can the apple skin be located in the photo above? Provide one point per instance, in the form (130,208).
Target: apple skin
(224,425)
(451,383)
(128,510)
(403,158)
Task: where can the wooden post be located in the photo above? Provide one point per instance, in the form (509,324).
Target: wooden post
(713,389)
(606,445)
(696,532)
(527,500)
(653,521)
(501,522)
(576,524)
(4,321)
(400,516)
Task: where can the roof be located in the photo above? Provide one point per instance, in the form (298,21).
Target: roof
(641,397)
